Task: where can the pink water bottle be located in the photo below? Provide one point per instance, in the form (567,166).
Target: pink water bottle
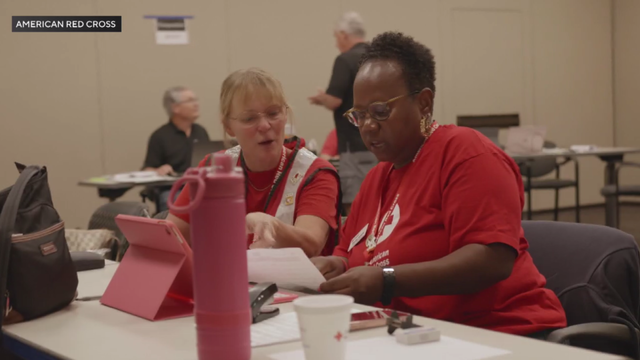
(219,242)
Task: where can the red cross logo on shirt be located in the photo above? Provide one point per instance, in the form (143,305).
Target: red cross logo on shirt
(389,220)
(338,336)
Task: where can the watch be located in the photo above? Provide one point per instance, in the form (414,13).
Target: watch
(388,285)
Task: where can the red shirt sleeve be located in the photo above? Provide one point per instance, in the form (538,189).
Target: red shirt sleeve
(481,202)
(320,198)
(183,198)
(330,146)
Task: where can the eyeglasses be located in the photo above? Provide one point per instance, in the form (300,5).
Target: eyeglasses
(379,111)
(274,114)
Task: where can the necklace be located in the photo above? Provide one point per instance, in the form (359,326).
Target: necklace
(257,189)
(376,231)
(281,171)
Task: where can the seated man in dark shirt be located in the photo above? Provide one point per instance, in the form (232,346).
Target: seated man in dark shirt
(170,146)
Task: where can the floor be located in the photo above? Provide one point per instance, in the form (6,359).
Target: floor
(629,217)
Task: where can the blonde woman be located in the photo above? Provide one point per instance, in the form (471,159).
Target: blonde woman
(292,196)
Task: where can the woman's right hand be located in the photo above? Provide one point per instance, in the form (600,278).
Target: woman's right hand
(329,266)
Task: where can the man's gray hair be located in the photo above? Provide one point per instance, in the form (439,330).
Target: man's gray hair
(352,24)
(172,96)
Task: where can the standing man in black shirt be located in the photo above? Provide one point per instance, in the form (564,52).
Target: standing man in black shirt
(355,159)
(170,146)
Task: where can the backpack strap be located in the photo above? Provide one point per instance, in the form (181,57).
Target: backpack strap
(7,222)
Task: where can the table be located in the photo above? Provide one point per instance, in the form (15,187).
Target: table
(93,283)
(89,330)
(610,155)
(112,190)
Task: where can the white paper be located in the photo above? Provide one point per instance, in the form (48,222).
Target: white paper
(279,329)
(582,148)
(386,347)
(171,32)
(140,177)
(289,268)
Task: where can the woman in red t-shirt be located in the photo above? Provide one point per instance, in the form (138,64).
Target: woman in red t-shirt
(435,229)
(292,196)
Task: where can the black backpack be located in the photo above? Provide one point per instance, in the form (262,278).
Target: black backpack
(37,275)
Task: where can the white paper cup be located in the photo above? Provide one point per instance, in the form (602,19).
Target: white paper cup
(324,325)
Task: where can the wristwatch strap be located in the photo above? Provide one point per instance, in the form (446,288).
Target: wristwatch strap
(388,286)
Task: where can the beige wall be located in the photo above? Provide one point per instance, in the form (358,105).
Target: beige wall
(627,80)
(85,104)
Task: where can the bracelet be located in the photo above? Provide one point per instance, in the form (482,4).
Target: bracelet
(344,262)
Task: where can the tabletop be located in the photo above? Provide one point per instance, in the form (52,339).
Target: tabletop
(599,151)
(89,330)
(106,183)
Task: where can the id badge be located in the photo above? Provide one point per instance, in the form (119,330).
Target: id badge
(359,236)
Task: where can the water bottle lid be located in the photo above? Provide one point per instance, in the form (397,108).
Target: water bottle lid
(223,163)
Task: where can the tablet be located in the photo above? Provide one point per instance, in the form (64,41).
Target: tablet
(162,235)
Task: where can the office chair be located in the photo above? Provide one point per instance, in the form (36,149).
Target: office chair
(104,218)
(539,167)
(595,272)
(612,192)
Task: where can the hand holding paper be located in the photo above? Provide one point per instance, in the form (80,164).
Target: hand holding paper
(288,268)
(262,226)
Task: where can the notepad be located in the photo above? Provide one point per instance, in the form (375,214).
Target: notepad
(280,329)
(289,268)
(386,347)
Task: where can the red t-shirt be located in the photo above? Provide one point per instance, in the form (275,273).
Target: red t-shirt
(330,146)
(461,190)
(318,198)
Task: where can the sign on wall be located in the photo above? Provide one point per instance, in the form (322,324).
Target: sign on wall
(171,30)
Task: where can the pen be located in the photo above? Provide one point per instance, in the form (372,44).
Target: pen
(146,213)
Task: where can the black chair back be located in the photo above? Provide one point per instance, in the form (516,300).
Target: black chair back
(594,270)
(104,218)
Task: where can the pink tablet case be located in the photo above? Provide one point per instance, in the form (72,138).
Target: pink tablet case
(154,279)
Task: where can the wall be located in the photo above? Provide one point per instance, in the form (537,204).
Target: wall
(626,36)
(85,104)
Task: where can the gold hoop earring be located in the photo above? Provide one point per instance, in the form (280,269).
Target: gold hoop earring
(424,125)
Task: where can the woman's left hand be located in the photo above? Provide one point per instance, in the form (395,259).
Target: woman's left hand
(364,283)
(263,227)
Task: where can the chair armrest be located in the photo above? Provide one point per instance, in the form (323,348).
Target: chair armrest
(616,332)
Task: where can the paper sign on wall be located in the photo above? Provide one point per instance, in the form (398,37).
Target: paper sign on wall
(171,31)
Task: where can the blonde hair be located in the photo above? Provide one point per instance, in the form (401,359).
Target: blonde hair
(245,85)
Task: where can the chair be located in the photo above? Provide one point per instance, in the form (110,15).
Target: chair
(104,218)
(612,192)
(161,215)
(542,166)
(595,272)
(336,164)
(489,125)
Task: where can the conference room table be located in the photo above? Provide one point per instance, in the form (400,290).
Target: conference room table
(112,190)
(610,155)
(89,330)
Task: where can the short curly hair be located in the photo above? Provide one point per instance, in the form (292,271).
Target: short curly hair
(416,60)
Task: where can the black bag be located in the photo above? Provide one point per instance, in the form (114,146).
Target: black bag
(37,275)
